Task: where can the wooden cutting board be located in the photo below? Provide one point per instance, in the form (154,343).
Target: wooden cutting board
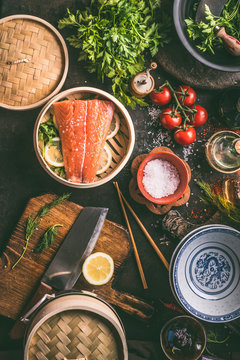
(17,285)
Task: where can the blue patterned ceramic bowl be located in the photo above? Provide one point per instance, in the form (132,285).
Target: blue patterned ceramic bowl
(205,273)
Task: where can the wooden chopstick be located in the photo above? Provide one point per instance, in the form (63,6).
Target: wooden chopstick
(160,255)
(144,282)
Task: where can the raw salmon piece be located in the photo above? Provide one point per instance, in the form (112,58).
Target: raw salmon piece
(71,119)
(99,117)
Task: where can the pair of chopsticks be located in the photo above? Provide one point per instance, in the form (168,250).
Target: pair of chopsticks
(160,255)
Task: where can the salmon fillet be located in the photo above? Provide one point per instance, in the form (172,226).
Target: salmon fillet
(83,126)
(71,119)
(99,117)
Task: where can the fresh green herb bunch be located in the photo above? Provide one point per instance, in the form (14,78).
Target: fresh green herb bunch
(112,36)
(203,33)
(33,222)
(223,205)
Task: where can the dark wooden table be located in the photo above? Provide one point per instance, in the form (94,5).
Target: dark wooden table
(22,177)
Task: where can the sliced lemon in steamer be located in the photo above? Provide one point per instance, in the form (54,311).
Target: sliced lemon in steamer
(105,160)
(53,153)
(114,127)
(98,268)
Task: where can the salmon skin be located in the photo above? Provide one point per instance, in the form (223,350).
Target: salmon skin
(83,127)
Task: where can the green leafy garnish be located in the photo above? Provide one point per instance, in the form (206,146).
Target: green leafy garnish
(47,239)
(60,171)
(112,36)
(34,220)
(47,131)
(218,200)
(203,33)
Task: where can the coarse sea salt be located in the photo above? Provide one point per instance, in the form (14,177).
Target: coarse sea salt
(160,178)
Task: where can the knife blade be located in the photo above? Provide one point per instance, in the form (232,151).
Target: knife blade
(215,6)
(66,266)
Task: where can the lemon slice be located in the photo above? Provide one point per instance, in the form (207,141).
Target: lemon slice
(98,268)
(105,160)
(53,153)
(54,121)
(114,127)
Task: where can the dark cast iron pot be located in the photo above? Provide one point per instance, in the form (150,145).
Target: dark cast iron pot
(222,60)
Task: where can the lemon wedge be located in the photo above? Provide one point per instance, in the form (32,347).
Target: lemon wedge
(54,121)
(114,127)
(98,268)
(52,114)
(53,152)
(105,160)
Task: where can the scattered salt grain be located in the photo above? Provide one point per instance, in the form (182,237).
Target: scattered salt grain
(160,178)
(187,151)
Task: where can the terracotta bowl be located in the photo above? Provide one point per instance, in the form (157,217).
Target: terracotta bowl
(120,146)
(170,345)
(181,168)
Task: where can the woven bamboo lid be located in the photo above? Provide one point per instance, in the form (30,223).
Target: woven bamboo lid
(75,335)
(34,62)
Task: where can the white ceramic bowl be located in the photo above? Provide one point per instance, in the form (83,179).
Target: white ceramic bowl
(121,144)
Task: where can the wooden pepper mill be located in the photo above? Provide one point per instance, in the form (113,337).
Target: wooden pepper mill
(143,83)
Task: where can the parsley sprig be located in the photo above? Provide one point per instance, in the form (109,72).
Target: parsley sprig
(34,220)
(112,36)
(204,34)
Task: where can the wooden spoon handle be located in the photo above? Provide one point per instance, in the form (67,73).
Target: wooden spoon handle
(231,43)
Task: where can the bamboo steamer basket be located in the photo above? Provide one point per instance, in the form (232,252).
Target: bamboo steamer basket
(121,145)
(34,62)
(75,325)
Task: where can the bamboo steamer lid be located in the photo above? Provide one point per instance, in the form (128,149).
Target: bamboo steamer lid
(76,326)
(34,62)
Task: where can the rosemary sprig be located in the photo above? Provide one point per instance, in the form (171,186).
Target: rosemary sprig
(223,205)
(47,239)
(34,221)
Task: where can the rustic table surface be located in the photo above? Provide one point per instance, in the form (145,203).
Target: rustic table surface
(22,178)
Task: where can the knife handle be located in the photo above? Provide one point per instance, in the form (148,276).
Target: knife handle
(19,327)
(231,43)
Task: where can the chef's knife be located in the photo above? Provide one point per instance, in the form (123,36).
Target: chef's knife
(216,7)
(66,266)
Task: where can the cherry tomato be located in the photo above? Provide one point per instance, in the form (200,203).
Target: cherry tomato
(190,96)
(185,137)
(170,118)
(161,97)
(200,117)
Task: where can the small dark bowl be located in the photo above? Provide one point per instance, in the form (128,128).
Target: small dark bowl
(198,336)
(222,60)
(181,168)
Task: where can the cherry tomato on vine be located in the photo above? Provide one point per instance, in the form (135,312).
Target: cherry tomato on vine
(186,95)
(161,97)
(185,137)
(200,117)
(170,118)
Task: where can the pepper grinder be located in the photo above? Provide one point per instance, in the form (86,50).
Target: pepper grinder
(143,83)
